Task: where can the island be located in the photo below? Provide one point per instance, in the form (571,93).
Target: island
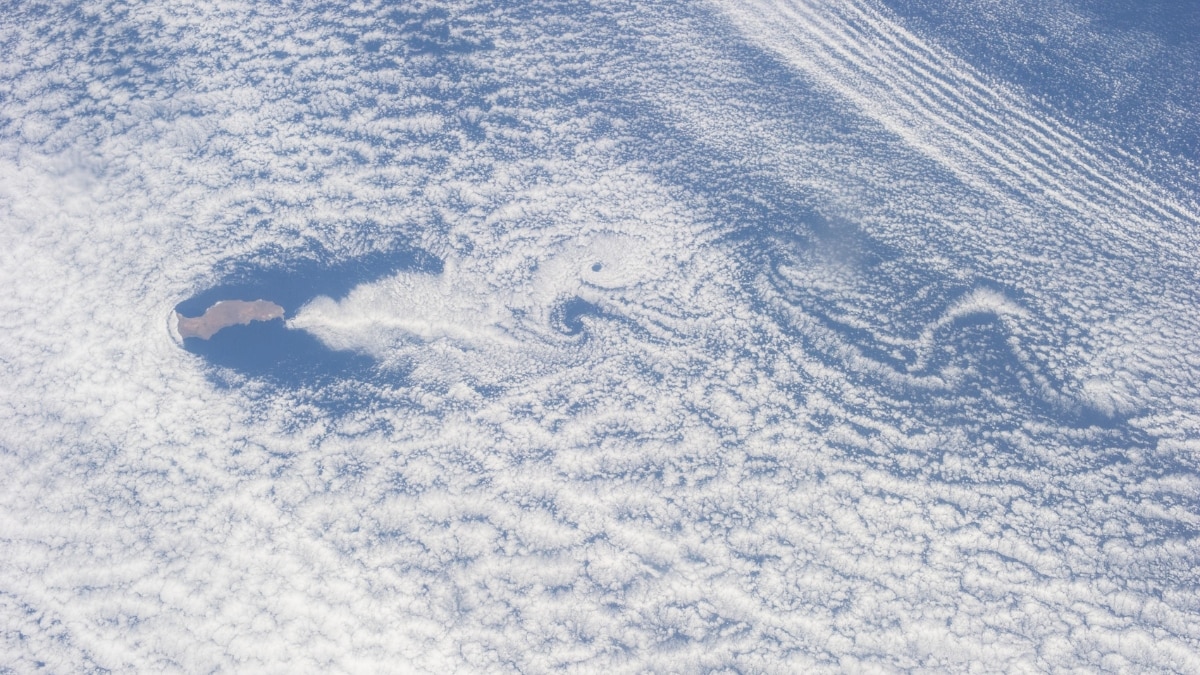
(224,314)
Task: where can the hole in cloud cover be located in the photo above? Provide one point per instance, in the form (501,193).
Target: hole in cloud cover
(569,316)
(809,371)
(269,349)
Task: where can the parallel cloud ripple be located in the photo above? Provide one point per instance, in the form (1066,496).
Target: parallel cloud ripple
(763,336)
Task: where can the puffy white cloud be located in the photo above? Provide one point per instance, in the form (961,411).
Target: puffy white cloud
(808,347)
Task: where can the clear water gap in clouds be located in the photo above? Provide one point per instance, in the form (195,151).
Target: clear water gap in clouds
(757,336)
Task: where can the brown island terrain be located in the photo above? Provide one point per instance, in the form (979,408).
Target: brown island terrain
(227,313)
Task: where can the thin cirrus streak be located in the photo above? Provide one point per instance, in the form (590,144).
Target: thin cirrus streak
(707,378)
(989,137)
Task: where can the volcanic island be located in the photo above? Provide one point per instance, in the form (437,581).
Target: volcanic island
(227,313)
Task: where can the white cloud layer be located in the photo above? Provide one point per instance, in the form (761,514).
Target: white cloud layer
(770,337)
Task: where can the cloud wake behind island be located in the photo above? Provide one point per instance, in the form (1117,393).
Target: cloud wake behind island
(763,337)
